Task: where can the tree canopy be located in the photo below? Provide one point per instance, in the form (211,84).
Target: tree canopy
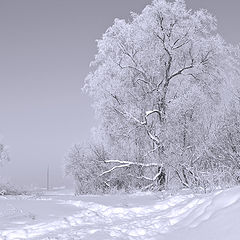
(160,85)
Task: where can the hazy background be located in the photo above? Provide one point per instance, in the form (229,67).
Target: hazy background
(45,50)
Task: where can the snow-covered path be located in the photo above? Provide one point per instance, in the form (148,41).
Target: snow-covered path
(135,216)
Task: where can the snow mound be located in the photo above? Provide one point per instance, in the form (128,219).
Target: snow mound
(136,216)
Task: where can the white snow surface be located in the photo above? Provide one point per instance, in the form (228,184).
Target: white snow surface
(148,216)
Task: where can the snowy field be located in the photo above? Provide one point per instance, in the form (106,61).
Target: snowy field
(149,216)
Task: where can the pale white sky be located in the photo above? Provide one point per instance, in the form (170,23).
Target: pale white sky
(45,51)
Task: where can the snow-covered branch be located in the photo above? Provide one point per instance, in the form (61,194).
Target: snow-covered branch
(148,113)
(124,164)
(134,163)
(114,168)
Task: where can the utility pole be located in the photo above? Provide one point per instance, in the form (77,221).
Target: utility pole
(48,178)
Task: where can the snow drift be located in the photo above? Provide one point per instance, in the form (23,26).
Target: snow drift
(136,216)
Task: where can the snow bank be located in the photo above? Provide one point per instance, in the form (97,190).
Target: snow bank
(136,216)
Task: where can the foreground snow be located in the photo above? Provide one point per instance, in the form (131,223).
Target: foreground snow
(136,216)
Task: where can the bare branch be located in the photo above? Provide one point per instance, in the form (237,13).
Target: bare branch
(180,71)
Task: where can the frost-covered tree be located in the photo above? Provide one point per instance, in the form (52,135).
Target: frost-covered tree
(4,154)
(5,188)
(160,85)
(156,86)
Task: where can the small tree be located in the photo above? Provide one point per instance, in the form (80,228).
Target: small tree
(4,154)
(5,188)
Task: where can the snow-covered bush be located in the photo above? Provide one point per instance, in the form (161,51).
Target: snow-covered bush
(7,188)
(85,164)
